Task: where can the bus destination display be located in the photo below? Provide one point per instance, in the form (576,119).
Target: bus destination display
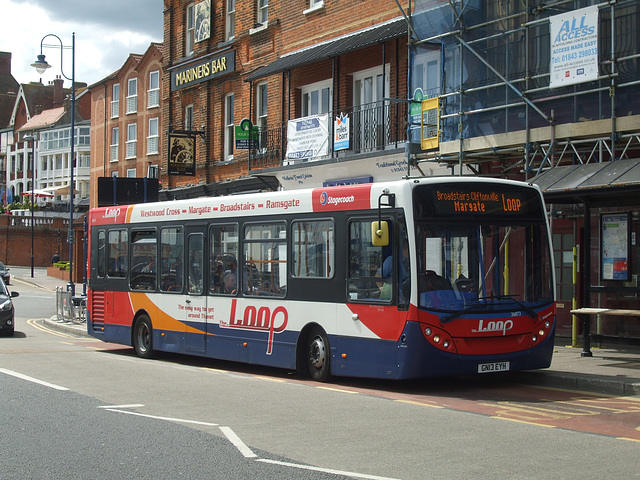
(472,200)
(480,202)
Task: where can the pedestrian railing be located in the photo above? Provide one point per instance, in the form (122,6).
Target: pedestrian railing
(70,309)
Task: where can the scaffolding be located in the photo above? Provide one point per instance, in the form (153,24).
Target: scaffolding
(499,114)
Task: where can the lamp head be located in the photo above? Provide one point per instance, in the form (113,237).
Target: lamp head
(41,64)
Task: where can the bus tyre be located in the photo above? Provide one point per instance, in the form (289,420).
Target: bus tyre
(143,337)
(318,355)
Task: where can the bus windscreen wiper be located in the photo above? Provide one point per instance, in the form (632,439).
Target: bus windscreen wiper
(456,314)
(527,309)
(479,308)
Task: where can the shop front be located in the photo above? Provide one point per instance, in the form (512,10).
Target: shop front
(595,215)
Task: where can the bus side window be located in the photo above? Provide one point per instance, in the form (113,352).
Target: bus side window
(171,255)
(117,254)
(102,254)
(365,280)
(265,259)
(223,263)
(195,250)
(143,260)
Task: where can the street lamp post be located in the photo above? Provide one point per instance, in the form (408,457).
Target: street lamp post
(32,138)
(41,65)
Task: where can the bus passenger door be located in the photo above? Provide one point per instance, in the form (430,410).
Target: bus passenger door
(195,302)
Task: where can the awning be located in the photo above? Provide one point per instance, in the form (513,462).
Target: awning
(38,193)
(575,183)
(337,46)
(63,190)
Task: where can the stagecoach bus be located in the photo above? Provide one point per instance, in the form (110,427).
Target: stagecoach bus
(406,279)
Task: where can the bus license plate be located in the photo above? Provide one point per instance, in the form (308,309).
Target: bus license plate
(493,367)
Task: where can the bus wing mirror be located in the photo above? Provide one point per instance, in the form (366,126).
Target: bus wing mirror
(380,234)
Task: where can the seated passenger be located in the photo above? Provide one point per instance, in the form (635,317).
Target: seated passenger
(229,283)
(434,290)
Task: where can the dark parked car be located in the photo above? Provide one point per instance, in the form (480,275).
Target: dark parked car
(4,274)
(7,313)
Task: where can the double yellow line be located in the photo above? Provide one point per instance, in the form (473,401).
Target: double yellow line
(34,323)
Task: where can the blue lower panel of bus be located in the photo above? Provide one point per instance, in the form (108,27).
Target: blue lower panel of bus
(411,357)
(414,357)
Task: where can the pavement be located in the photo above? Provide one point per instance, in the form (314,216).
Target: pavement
(613,369)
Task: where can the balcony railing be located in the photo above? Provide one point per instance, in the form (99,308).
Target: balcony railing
(372,127)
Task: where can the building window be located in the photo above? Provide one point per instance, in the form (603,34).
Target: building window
(115,141)
(153,94)
(261,114)
(131,173)
(231,20)
(115,101)
(152,139)
(263,11)
(314,5)
(83,136)
(316,98)
(153,171)
(188,117)
(191,27)
(229,127)
(84,160)
(132,140)
(132,96)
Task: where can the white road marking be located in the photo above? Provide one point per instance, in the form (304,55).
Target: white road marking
(31,379)
(239,444)
(168,419)
(131,405)
(242,447)
(326,470)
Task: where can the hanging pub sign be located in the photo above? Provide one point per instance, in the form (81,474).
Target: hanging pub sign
(182,154)
(206,69)
(202,22)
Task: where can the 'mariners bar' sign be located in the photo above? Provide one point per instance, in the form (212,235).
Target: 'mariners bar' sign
(204,70)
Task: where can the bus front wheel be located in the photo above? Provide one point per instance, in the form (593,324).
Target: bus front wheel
(143,337)
(318,355)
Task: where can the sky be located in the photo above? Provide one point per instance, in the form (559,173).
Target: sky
(107,31)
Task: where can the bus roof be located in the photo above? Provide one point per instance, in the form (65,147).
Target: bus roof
(326,199)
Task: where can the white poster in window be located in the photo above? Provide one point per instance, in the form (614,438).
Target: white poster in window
(615,246)
(308,137)
(574,47)
(341,130)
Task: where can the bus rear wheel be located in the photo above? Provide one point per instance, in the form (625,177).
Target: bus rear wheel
(143,337)
(318,355)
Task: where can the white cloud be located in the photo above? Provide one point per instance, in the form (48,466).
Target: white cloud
(104,35)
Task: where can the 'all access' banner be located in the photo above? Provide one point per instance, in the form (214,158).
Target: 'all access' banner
(574,47)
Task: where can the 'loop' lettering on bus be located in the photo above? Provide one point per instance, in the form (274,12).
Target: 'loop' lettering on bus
(258,319)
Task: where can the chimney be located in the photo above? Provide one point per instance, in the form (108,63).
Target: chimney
(57,91)
(5,63)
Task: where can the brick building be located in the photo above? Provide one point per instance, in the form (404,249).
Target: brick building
(127,124)
(279,69)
